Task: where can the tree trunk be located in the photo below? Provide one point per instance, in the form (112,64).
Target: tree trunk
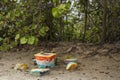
(86,15)
(104,35)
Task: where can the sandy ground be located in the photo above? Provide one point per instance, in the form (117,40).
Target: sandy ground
(95,67)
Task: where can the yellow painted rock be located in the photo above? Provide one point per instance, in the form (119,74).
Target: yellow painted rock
(21,66)
(71,66)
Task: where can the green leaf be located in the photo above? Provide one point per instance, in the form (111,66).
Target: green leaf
(6,0)
(31,40)
(14,43)
(60,10)
(67,6)
(46,28)
(22,12)
(8,15)
(43,31)
(4,47)
(6,40)
(17,36)
(55,13)
(36,41)
(61,6)
(1,39)
(0,28)
(54,1)
(23,40)
(34,26)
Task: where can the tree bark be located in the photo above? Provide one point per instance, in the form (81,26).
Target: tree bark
(104,35)
(86,16)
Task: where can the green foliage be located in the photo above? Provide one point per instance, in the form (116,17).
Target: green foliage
(54,1)
(43,31)
(25,22)
(92,35)
(1,39)
(17,36)
(55,13)
(60,10)
(23,40)
(4,47)
(20,24)
(31,40)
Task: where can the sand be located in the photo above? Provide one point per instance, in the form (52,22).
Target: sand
(97,67)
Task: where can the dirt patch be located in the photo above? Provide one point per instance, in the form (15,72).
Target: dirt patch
(96,62)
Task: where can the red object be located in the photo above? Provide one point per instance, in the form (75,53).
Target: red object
(46,57)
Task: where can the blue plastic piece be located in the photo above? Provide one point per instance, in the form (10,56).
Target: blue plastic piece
(46,66)
(39,72)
